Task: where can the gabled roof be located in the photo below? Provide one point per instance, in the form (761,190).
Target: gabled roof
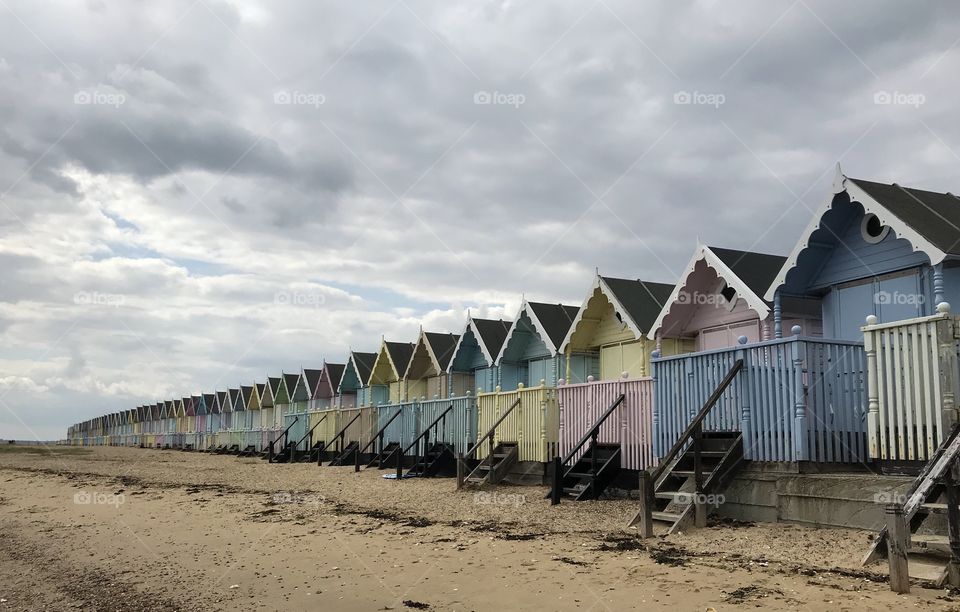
(244,398)
(233,398)
(490,335)
(222,397)
(274,382)
(312,378)
(439,347)
(253,400)
(209,401)
(398,356)
(328,381)
(636,302)
(299,388)
(290,385)
(551,321)
(748,272)
(363,364)
(929,220)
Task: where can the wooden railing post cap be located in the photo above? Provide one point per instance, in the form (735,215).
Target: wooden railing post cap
(795,330)
(872,319)
(520,385)
(655,353)
(543,382)
(624,374)
(561,382)
(943,307)
(741,340)
(590,378)
(497,388)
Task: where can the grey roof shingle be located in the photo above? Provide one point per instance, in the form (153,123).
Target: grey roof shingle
(555,318)
(756,270)
(643,300)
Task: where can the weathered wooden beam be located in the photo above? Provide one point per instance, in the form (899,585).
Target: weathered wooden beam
(898,536)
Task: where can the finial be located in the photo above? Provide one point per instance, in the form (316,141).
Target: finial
(561,382)
(543,382)
(943,307)
(655,353)
(838,180)
(795,330)
(590,378)
(741,340)
(519,386)
(624,374)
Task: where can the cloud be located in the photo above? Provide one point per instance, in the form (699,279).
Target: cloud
(208,193)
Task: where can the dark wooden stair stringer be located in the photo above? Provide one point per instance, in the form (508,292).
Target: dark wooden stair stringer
(382,454)
(928,554)
(500,457)
(594,470)
(679,477)
(436,460)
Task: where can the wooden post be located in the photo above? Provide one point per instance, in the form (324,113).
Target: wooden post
(400,463)
(897,544)
(645,514)
(953,526)
(948,365)
(874,434)
(777,316)
(356,459)
(460,473)
(556,491)
(800,448)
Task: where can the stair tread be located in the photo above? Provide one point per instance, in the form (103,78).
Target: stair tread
(671,494)
(669,517)
(936,508)
(705,473)
(924,567)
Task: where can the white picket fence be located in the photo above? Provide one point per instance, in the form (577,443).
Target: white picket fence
(912,380)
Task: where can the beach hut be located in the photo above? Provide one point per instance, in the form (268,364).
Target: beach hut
(389,393)
(474,356)
(233,419)
(355,400)
(719,298)
(528,367)
(607,386)
(295,422)
(257,431)
(324,418)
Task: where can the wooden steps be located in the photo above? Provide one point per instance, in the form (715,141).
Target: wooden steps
(674,493)
(438,461)
(504,458)
(346,456)
(387,457)
(592,473)
(927,554)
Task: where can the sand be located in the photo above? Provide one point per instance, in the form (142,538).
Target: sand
(132,529)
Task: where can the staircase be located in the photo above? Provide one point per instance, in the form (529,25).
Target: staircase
(699,465)
(504,457)
(675,492)
(387,457)
(284,456)
(439,461)
(928,553)
(591,474)
(346,457)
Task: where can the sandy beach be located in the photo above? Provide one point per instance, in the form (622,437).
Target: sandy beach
(132,529)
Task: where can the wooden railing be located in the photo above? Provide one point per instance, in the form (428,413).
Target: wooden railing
(912,385)
(798,398)
(534,425)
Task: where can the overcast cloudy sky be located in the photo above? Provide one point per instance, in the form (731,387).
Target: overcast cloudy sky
(199,193)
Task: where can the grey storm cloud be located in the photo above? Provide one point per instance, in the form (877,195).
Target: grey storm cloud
(235,188)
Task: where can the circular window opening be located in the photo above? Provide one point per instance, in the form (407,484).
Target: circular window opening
(872,230)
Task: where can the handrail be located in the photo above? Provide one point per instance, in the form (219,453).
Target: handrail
(428,428)
(343,430)
(382,429)
(695,424)
(593,430)
(309,433)
(493,429)
(282,435)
